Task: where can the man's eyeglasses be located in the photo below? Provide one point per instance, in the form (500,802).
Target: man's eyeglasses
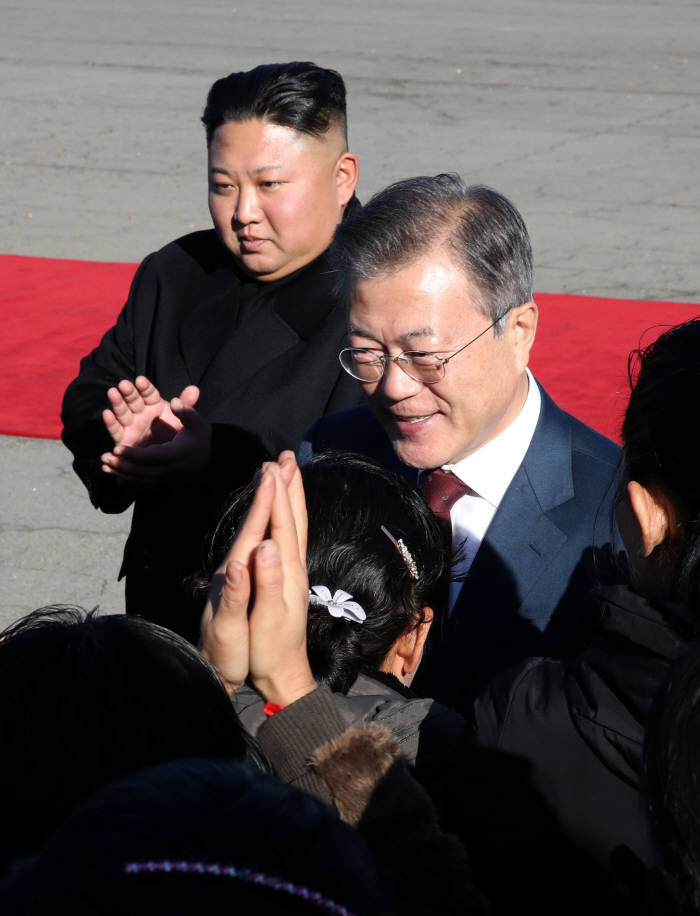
(421,365)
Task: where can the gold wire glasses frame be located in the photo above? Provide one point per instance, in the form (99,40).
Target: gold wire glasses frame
(421,365)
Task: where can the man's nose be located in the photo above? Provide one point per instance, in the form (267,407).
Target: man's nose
(247,207)
(395,384)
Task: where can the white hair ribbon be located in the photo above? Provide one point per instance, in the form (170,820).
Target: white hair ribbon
(338,604)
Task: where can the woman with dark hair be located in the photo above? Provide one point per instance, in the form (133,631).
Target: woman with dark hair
(376,566)
(254,629)
(580,724)
(372,537)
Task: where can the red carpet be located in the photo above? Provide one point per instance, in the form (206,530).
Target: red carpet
(55,311)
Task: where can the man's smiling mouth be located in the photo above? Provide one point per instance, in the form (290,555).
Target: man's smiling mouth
(416,418)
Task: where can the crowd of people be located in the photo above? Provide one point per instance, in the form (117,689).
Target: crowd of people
(401,635)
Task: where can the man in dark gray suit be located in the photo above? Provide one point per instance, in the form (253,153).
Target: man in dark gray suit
(438,280)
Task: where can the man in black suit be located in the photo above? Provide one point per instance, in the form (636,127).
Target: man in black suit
(438,279)
(239,320)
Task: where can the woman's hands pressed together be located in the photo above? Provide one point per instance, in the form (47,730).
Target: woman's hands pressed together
(254,622)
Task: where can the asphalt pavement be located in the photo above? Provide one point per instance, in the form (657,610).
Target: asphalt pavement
(586,114)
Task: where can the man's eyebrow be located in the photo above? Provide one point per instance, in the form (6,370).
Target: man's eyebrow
(409,335)
(275,166)
(360,332)
(419,332)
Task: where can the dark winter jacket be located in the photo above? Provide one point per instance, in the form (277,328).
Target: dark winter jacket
(577,729)
(362,773)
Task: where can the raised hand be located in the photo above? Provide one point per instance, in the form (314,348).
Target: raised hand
(149,464)
(140,416)
(264,636)
(224,626)
(279,665)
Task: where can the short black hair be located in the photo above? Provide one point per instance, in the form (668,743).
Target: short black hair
(349,498)
(481,230)
(298,94)
(95,698)
(661,437)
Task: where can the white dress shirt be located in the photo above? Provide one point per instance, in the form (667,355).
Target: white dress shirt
(489,471)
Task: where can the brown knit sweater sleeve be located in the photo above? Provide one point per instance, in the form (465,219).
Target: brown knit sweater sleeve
(291,736)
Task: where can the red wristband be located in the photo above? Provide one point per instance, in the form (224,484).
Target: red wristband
(271,708)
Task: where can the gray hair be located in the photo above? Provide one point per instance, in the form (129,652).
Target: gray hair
(480,228)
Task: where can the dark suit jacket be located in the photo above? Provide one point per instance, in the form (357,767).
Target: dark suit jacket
(265,356)
(548,543)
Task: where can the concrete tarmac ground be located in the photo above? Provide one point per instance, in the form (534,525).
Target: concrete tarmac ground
(586,114)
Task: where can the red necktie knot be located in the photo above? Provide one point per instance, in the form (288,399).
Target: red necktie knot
(442,489)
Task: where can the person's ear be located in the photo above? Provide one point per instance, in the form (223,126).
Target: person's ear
(347,173)
(408,648)
(652,512)
(522,325)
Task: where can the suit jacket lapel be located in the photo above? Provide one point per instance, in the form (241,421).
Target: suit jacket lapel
(522,539)
(520,543)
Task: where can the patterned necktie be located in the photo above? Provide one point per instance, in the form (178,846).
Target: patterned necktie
(442,489)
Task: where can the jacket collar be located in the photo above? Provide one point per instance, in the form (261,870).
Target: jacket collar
(301,302)
(661,628)
(553,437)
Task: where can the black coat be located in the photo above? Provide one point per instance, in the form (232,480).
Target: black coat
(265,356)
(576,728)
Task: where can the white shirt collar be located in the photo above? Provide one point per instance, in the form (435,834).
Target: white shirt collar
(490,469)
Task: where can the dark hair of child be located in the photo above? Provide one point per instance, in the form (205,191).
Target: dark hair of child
(90,698)
(661,437)
(350,500)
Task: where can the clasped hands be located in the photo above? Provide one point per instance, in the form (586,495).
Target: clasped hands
(157,443)
(254,622)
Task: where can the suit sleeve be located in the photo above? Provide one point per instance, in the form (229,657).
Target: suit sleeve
(115,358)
